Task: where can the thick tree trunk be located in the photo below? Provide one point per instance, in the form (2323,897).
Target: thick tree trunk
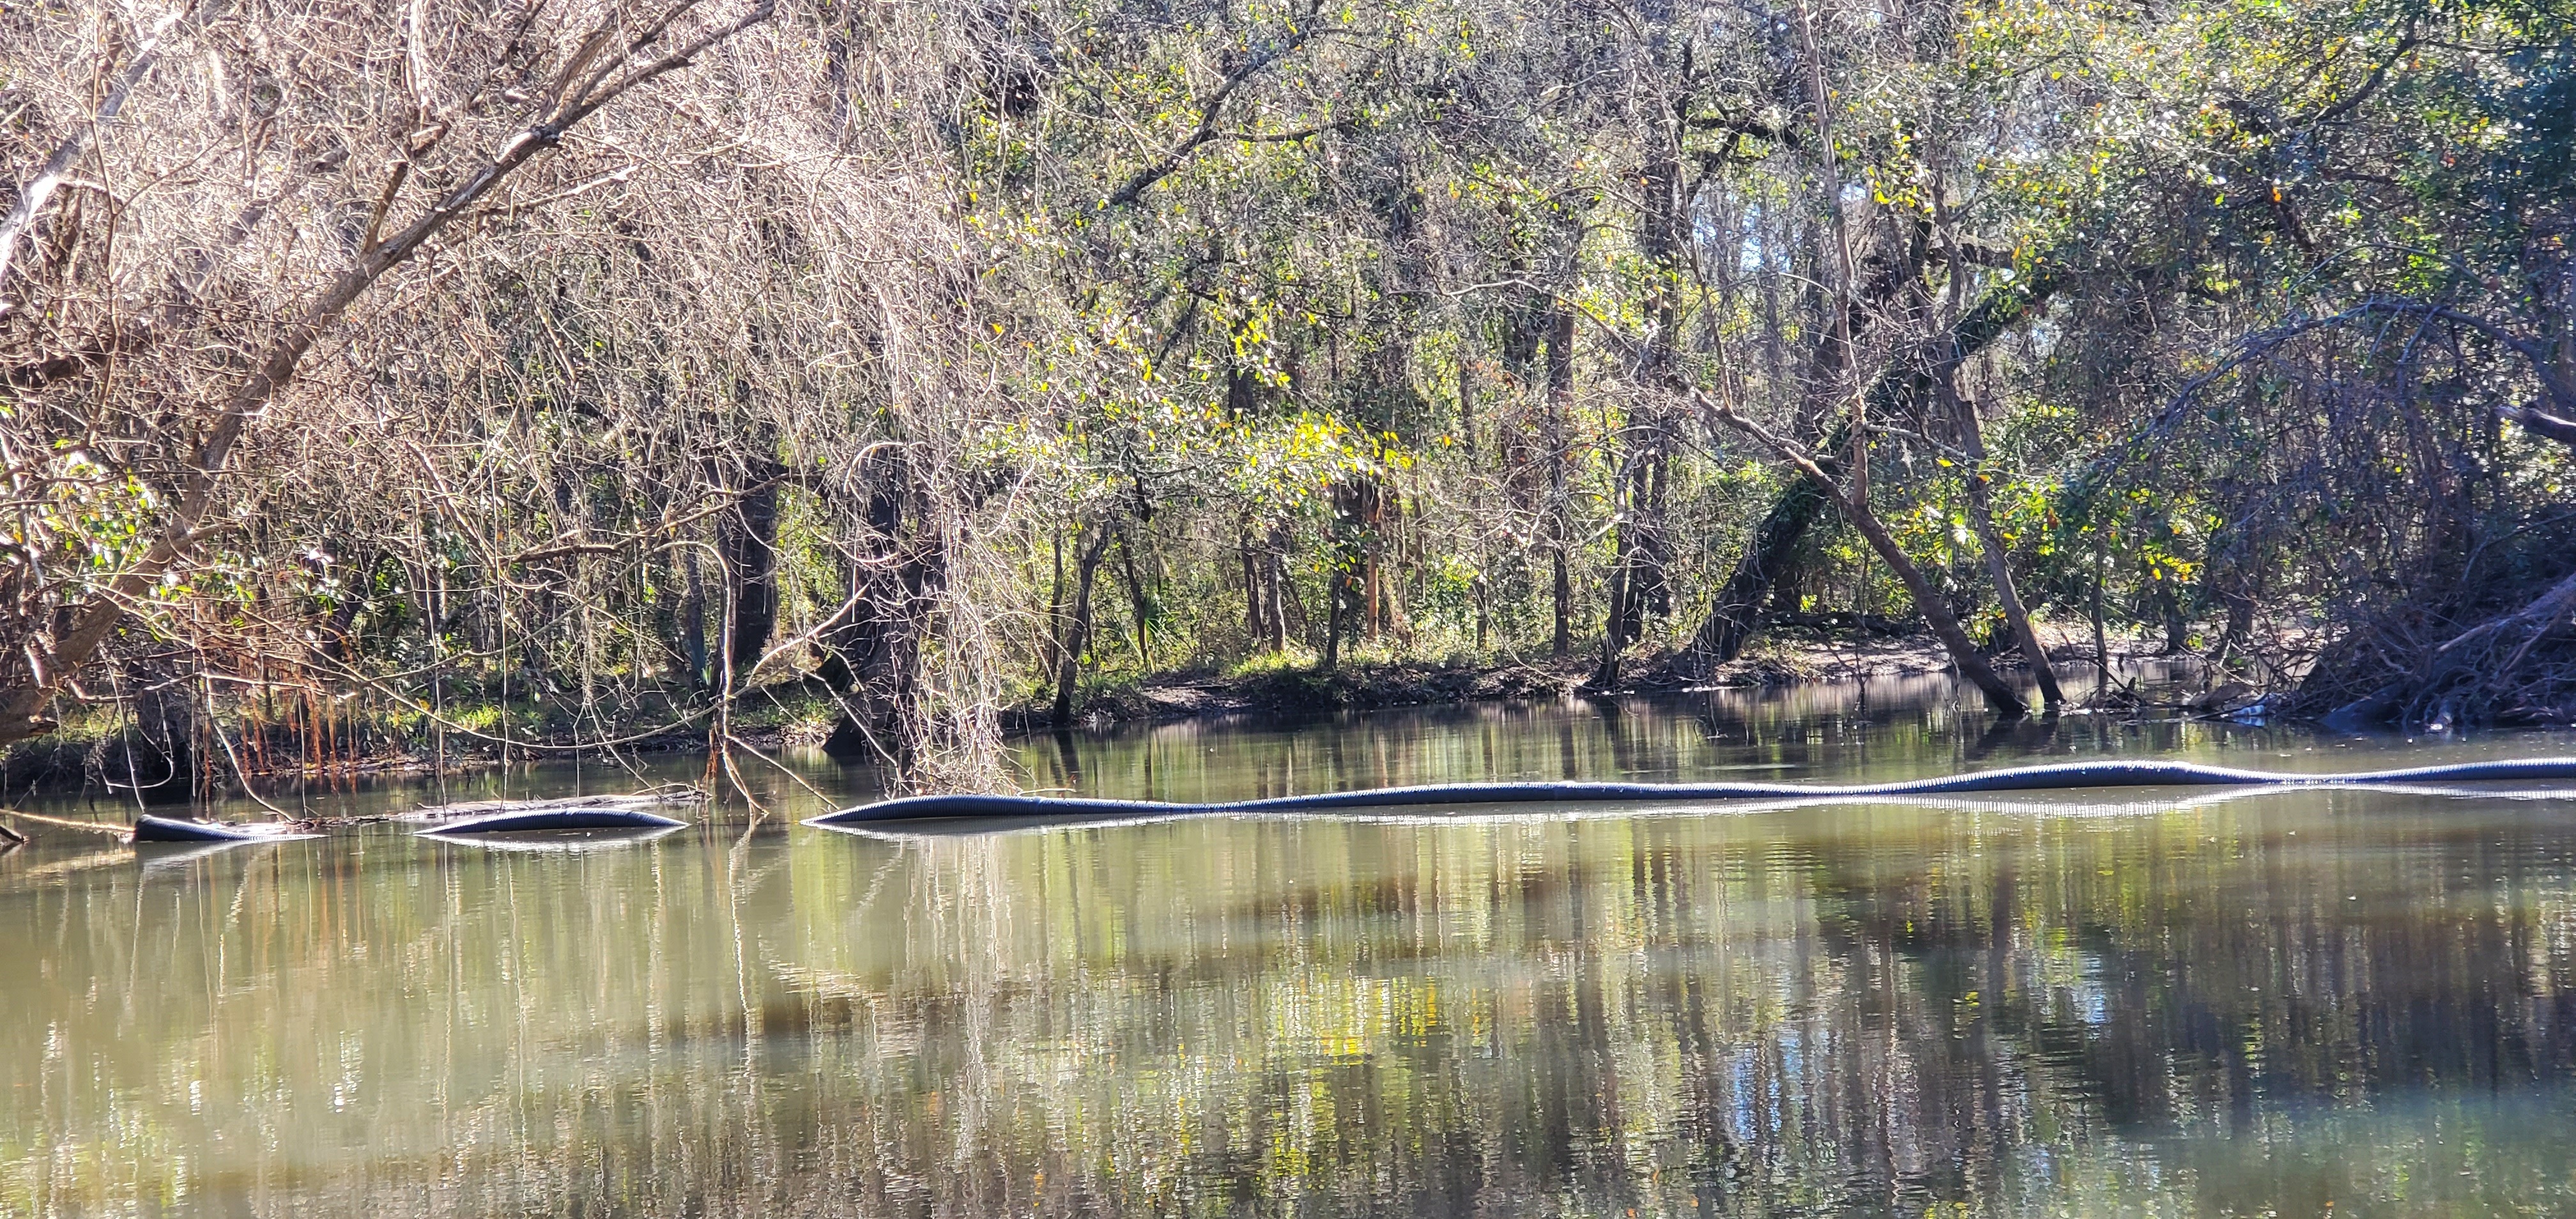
(1605,675)
(898,565)
(692,644)
(1737,608)
(748,539)
(853,649)
(1637,586)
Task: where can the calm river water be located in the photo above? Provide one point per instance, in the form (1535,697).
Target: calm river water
(2072,1003)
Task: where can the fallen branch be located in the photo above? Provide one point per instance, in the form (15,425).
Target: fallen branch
(93,827)
(2545,609)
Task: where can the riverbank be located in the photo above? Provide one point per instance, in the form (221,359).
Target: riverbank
(1785,655)
(102,753)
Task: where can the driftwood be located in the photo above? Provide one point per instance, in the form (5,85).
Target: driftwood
(2513,667)
(167,829)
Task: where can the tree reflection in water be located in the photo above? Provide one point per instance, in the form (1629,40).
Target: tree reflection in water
(2270,1003)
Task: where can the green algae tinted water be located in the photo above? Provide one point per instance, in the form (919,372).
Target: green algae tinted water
(2314,1003)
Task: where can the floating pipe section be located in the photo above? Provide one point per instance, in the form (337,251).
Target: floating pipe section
(575,843)
(556,819)
(2049,777)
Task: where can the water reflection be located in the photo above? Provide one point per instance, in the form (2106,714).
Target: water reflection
(2025,1005)
(1889,728)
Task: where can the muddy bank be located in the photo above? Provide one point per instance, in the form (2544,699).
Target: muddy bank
(1351,687)
(1786,656)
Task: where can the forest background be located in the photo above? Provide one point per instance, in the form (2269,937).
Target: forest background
(402,377)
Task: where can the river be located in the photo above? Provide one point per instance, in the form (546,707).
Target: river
(2293,1003)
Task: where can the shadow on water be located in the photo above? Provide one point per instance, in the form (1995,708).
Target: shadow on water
(2023,1004)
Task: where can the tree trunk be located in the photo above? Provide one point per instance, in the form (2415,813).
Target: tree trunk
(1605,676)
(2169,608)
(1560,391)
(692,645)
(2238,593)
(1737,608)
(1343,594)
(1287,612)
(1372,587)
(1636,564)
(2000,696)
(1981,515)
(1651,589)
(1051,639)
(1564,595)
(853,649)
(897,568)
(2016,617)
(1639,587)
(1077,631)
(1137,603)
(1255,628)
(2101,641)
(160,753)
(748,539)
